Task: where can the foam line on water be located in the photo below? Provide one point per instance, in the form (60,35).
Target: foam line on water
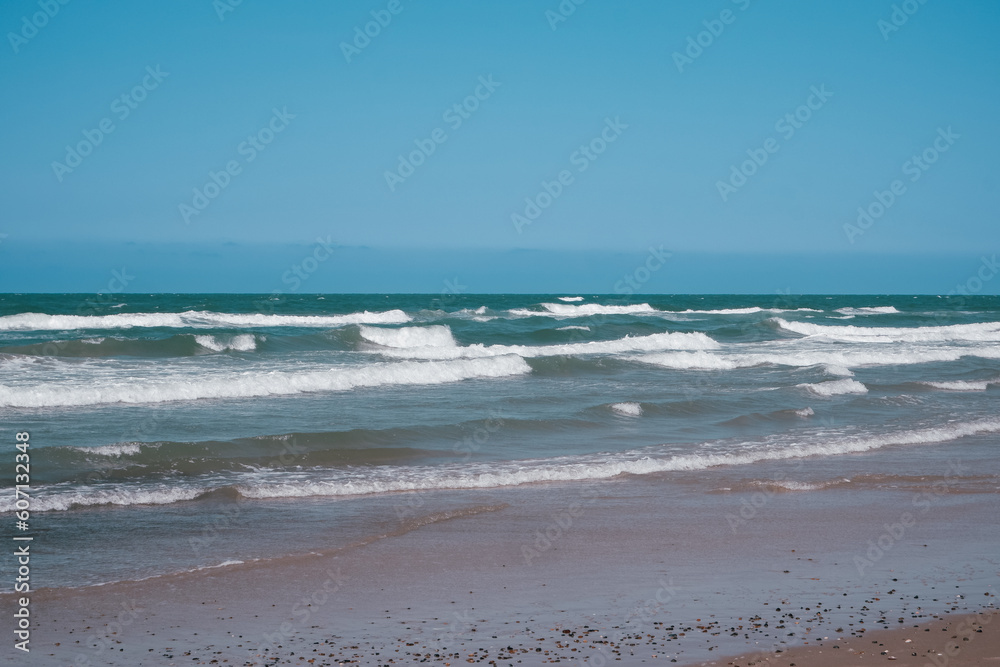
(192,319)
(512,473)
(979,332)
(652,342)
(255,384)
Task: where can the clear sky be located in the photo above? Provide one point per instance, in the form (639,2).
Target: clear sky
(830,101)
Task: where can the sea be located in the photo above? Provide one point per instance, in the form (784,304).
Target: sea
(178,432)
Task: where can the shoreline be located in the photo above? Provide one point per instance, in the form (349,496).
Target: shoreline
(615,566)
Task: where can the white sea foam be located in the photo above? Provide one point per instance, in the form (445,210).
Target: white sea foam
(437,335)
(569,299)
(118,495)
(241,342)
(727,311)
(833,369)
(476,315)
(563,310)
(805,412)
(981,332)
(963,385)
(630,409)
(699,360)
(868,310)
(116,450)
(607,466)
(836,387)
(747,311)
(585,310)
(792,485)
(512,473)
(653,342)
(573,327)
(831,359)
(257,383)
(191,319)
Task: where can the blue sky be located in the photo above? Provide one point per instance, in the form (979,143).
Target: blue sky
(308,135)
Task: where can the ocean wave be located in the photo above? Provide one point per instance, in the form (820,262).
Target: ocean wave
(746,311)
(652,342)
(241,342)
(474,314)
(630,409)
(254,384)
(792,485)
(570,299)
(980,332)
(777,415)
(834,361)
(962,385)
(118,495)
(191,319)
(699,360)
(585,310)
(437,335)
(508,473)
(836,387)
(868,310)
(116,450)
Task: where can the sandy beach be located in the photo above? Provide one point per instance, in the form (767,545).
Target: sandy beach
(959,640)
(632,571)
